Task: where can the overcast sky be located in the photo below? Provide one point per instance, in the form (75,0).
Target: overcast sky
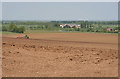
(60,11)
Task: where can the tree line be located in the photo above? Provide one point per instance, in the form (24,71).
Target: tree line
(85,26)
(13,28)
(62,22)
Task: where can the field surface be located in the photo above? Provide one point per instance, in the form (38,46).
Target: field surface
(60,55)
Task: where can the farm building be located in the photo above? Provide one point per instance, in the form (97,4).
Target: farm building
(70,26)
(110,29)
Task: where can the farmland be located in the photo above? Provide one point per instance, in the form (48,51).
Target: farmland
(60,55)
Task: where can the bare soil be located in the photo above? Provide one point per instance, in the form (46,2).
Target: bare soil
(60,55)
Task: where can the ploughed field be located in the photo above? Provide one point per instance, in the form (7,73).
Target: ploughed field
(60,55)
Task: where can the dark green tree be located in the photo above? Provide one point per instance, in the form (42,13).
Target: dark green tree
(11,27)
(4,28)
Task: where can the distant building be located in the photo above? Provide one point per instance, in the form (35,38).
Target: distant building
(110,29)
(70,26)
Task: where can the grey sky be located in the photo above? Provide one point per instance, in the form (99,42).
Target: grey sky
(59,11)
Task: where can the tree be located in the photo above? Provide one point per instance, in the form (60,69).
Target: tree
(56,25)
(46,26)
(11,27)
(21,29)
(4,28)
(15,28)
(74,27)
(67,26)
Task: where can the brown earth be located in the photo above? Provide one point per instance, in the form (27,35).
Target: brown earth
(60,55)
